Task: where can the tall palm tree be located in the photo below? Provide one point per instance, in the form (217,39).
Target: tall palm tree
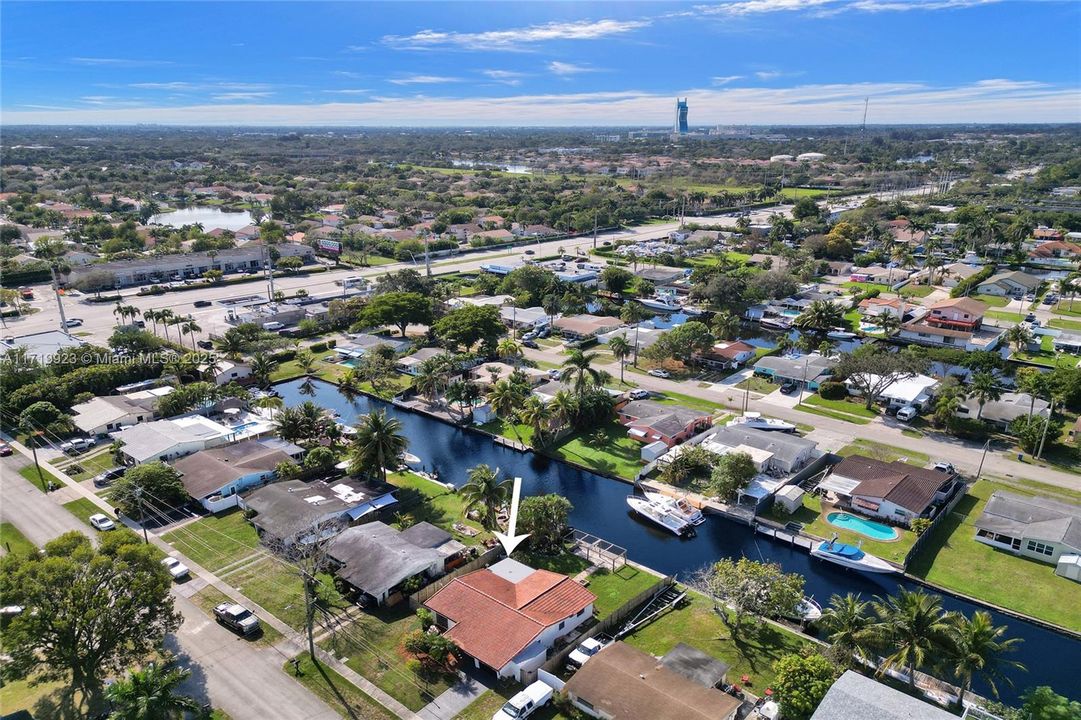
(166,316)
(150,693)
(984,388)
(1019,336)
(261,368)
(191,327)
(848,623)
(431,378)
(913,627)
(119,313)
(305,360)
(378,442)
(538,416)
(725,325)
(632,313)
(976,648)
(820,316)
(505,398)
(578,369)
(1034,382)
(621,350)
(152,316)
(484,491)
(509,349)
(564,407)
(888,323)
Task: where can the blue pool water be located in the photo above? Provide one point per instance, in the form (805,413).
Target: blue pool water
(873,530)
(244,426)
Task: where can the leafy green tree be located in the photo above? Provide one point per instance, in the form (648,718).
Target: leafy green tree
(616,279)
(150,693)
(486,493)
(464,327)
(544,517)
(1031,429)
(632,313)
(399,309)
(1043,703)
(801,683)
(88,614)
(872,368)
(758,589)
(976,649)
(379,443)
(683,343)
(46,417)
(159,485)
(732,472)
(806,208)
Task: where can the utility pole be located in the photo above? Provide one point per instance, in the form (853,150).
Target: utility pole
(59,304)
(1046,424)
(804,383)
(983,457)
(34,449)
(142,521)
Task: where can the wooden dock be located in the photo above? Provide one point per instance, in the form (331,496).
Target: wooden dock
(793,539)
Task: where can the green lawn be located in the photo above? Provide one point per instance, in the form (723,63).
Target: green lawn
(488,704)
(89,465)
(30,473)
(372,647)
(14,542)
(327,371)
(1005,316)
(757,384)
(832,414)
(862,287)
(1047,358)
(278,589)
(842,406)
(426,501)
(210,597)
(1063,308)
(883,452)
(1063,324)
(992,300)
(83,509)
(215,540)
(337,692)
(45,700)
(688,401)
(954,560)
(613,589)
(606,450)
(758,645)
(919,291)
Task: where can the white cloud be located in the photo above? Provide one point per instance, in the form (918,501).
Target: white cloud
(832,7)
(507,77)
(349,91)
(719,80)
(768,74)
(424,80)
(564,69)
(992,100)
(515,38)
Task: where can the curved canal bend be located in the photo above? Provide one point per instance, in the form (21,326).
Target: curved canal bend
(599,508)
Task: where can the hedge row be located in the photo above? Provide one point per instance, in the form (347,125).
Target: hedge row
(962,288)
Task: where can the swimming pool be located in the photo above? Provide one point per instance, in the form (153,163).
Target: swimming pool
(244,426)
(873,530)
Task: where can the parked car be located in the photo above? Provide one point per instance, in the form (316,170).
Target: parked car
(907,413)
(1031,317)
(77,445)
(102,522)
(73,322)
(581,654)
(203,303)
(205,344)
(657,372)
(554,374)
(273,326)
(176,568)
(237,618)
(532,335)
(105,478)
(531,344)
(525,703)
(5,449)
(530,252)
(544,332)
(945,467)
(639,394)
(789,386)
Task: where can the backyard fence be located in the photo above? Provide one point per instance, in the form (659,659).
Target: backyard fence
(959,492)
(482,561)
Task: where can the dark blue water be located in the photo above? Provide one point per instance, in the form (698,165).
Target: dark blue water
(599,508)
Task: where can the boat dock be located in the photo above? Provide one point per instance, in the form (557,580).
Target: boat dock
(792,537)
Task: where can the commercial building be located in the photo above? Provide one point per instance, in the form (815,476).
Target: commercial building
(43,346)
(681,127)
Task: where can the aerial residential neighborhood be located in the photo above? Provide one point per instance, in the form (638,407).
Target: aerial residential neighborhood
(463,361)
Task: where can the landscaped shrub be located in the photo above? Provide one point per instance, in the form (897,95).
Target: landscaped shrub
(318,347)
(962,288)
(833,390)
(969,428)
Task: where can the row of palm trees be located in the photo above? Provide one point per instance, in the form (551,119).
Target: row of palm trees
(165,316)
(911,631)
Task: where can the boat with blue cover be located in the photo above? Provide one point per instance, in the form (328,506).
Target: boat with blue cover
(850,556)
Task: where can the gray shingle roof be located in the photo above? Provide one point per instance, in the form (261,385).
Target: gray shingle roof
(855,697)
(376,557)
(1036,518)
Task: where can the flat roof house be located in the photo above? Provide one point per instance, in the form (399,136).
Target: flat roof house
(410,364)
(43,345)
(1034,527)
(375,558)
(284,509)
(894,491)
(784,453)
(648,421)
(813,368)
(916,390)
(171,439)
(215,477)
(585,327)
(506,617)
(856,697)
(622,682)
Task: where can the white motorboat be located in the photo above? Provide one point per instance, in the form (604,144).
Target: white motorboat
(839,334)
(807,610)
(411,460)
(850,556)
(679,506)
(693,311)
(660,515)
(664,303)
(775,323)
(756,421)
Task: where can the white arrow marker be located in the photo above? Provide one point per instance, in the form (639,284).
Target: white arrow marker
(510,540)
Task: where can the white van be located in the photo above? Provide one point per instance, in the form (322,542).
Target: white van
(273,326)
(525,703)
(907,413)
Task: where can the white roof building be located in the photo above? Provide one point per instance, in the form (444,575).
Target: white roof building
(916,390)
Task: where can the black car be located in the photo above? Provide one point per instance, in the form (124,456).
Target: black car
(203,303)
(531,344)
(205,344)
(789,387)
(105,478)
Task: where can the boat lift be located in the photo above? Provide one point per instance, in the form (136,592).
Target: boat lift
(668,597)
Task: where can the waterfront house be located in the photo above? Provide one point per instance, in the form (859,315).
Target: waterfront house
(1067,342)
(1005,410)
(957,322)
(622,682)
(915,390)
(858,697)
(1013,284)
(492,372)
(813,369)
(375,559)
(410,364)
(648,421)
(225,372)
(772,452)
(507,617)
(585,326)
(950,275)
(286,510)
(875,274)
(215,477)
(106,414)
(1055,250)
(873,308)
(645,336)
(893,491)
(1033,527)
(728,355)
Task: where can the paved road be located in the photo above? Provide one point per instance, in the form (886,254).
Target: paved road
(32,511)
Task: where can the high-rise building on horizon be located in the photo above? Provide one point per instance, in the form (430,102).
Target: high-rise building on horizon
(681,126)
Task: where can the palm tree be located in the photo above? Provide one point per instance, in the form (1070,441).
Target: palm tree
(191,327)
(231,344)
(508,349)
(632,313)
(1020,336)
(166,317)
(378,442)
(261,368)
(152,316)
(564,407)
(888,323)
(505,398)
(578,368)
(984,388)
(847,623)
(291,425)
(913,627)
(1070,286)
(271,402)
(820,316)
(483,491)
(621,350)
(305,360)
(901,257)
(976,649)
(725,325)
(1034,382)
(538,416)
(119,313)
(431,376)
(150,694)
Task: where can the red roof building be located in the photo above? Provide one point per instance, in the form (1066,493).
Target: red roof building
(507,616)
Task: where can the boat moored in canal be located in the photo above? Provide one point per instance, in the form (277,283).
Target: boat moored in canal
(850,556)
(660,515)
(679,506)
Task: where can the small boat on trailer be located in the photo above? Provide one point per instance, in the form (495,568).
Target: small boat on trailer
(756,421)
(679,506)
(660,515)
(850,556)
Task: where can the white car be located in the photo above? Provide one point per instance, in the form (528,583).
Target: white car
(639,394)
(73,322)
(102,522)
(581,654)
(907,413)
(657,372)
(76,445)
(945,467)
(176,568)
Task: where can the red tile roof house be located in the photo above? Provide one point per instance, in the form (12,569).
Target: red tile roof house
(893,491)
(957,322)
(649,421)
(508,616)
(1046,233)
(1055,249)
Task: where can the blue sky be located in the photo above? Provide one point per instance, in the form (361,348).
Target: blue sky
(582,63)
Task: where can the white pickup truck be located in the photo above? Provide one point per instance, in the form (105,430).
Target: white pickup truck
(525,703)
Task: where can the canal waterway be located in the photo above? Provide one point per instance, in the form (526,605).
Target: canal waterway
(600,508)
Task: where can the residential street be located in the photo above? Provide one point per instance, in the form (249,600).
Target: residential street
(32,511)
